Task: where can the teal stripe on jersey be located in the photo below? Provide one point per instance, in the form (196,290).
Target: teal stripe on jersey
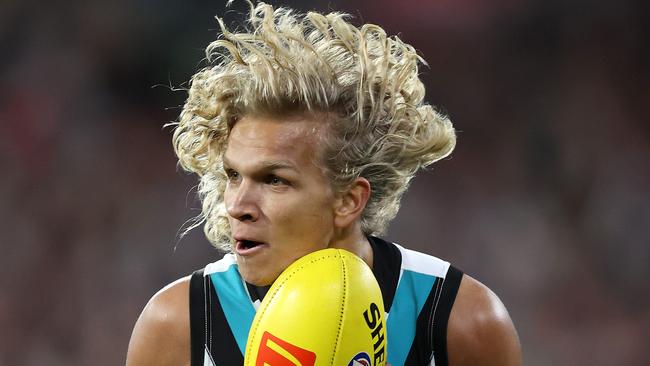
(236,303)
(404,313)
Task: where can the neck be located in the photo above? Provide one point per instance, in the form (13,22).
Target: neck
(353,240)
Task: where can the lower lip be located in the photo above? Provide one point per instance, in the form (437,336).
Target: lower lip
(247,252)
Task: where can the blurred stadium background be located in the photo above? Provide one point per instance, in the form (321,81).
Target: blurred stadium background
(545,200)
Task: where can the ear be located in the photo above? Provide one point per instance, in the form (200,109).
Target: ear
(351,203)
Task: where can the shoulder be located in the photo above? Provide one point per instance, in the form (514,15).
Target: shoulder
(480,331)
(161,335)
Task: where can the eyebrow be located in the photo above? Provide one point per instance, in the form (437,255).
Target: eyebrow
(268,165)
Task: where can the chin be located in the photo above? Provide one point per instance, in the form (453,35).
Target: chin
(256,278)
(260,283)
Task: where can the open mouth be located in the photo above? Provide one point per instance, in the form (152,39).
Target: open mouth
(247,246)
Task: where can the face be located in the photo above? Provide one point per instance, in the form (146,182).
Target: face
(279,202)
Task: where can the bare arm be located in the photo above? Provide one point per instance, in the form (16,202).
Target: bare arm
(161,335)
(480,331)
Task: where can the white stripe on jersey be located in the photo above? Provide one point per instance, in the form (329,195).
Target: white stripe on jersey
(423,263)
(207,358)
(221,265)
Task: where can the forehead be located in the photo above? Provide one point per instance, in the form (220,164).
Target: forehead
(291,139)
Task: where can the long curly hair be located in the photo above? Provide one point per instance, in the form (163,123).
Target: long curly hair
(361,82)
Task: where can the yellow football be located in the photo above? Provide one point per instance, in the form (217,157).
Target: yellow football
(324,309)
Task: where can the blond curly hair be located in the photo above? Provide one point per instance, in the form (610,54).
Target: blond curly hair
(361,82)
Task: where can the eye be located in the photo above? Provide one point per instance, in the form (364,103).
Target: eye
(232,175)
(274,180)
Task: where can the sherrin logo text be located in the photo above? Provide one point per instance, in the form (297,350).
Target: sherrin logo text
(373,320)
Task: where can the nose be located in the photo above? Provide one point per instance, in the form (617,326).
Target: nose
(241,201)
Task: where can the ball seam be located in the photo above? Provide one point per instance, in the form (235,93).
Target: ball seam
(343,306)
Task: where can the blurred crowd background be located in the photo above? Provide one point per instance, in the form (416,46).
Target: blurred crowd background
(546,198)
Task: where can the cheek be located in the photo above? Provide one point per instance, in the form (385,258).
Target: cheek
(308,219)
